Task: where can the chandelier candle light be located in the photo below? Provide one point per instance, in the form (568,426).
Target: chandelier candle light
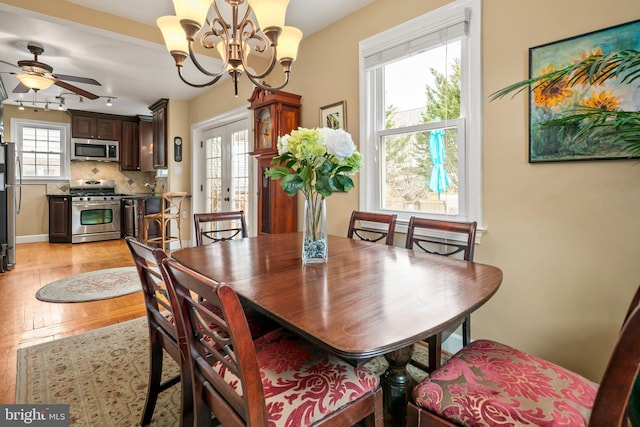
(316,162)
(233,41)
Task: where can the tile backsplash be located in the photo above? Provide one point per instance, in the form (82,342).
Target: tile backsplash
(127,182)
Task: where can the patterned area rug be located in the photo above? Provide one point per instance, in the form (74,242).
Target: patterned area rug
(103,375)
(92,286)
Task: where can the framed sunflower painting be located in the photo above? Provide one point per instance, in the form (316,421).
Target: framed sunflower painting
(549,143)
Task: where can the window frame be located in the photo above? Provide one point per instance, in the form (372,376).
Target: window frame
(17,126)
(470,115)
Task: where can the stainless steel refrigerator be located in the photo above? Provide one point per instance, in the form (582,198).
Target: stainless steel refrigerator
(10,200)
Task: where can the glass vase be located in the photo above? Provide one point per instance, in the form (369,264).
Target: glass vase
(314,231)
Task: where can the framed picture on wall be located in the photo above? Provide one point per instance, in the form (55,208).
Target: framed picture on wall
(549,143)
(334,116)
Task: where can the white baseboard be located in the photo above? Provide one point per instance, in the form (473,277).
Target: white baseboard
(32,239)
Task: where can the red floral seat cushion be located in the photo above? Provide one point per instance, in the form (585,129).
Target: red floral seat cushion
(302,384)
(491,384)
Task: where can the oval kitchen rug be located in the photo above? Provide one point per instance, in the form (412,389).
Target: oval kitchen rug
(92,286)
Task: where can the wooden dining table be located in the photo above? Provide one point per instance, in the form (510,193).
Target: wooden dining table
(367,300)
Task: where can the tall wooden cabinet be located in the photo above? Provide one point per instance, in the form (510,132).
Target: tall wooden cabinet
(160,127)
(275,114)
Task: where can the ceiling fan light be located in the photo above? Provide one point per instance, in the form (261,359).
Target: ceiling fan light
(35,82)
(21,107)
(288,43)
(174,36)
(269,13)
(192,10)
(109,104)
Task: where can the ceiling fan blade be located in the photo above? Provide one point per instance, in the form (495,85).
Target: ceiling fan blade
(75,89)
(21,89)
(77,79)
(9,63)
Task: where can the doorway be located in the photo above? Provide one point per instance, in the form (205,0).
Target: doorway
(225,176)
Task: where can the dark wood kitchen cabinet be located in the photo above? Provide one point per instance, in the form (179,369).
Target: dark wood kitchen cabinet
(136,146)
(145,137)
(60,219)
(130,146)
(89,125)
(159,113)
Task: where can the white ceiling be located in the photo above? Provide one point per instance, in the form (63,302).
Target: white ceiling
(135,71)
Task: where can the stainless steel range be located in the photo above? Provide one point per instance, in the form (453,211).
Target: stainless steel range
(95,210)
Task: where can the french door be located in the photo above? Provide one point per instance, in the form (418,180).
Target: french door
(227,168)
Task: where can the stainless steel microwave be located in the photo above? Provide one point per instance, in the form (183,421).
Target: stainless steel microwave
(94,149)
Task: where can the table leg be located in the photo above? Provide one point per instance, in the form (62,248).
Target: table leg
(396,387)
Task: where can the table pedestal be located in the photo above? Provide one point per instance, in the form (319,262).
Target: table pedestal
(396,387)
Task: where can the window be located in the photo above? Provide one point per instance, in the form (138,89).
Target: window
(420,99)
(43,150)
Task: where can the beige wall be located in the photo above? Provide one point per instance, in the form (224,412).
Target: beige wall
(564,234)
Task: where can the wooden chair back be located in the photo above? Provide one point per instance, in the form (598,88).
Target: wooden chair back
(622,374)
(171,211)
(162,332)
(224,338)
(466,233)
(219,226)
(442,246)
(358,229)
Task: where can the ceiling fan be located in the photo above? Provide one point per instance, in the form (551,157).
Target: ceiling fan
(37,75)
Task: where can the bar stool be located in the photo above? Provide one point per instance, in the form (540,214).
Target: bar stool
(172,208)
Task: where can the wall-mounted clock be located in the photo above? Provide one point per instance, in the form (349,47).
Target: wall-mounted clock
(177,149)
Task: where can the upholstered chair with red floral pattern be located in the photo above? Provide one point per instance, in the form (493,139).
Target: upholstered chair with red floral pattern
(163,335)
(491,384)
(277,380)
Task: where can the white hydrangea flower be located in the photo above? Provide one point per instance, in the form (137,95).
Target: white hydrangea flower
(283,144)
(338,142)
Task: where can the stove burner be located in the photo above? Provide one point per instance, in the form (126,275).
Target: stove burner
(97,189)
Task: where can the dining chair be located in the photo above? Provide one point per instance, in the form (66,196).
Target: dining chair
(358,228)
(276,380)
(452,238)
(171,211)
(162,331)
(220,226)
(489,381)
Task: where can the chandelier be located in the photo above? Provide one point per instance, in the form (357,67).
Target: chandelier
(234,42)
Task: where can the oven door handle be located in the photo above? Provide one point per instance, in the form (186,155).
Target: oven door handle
(93,205)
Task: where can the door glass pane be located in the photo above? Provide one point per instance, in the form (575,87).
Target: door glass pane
(213,181)
(240,170)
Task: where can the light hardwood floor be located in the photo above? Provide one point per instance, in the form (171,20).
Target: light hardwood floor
(27,321)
